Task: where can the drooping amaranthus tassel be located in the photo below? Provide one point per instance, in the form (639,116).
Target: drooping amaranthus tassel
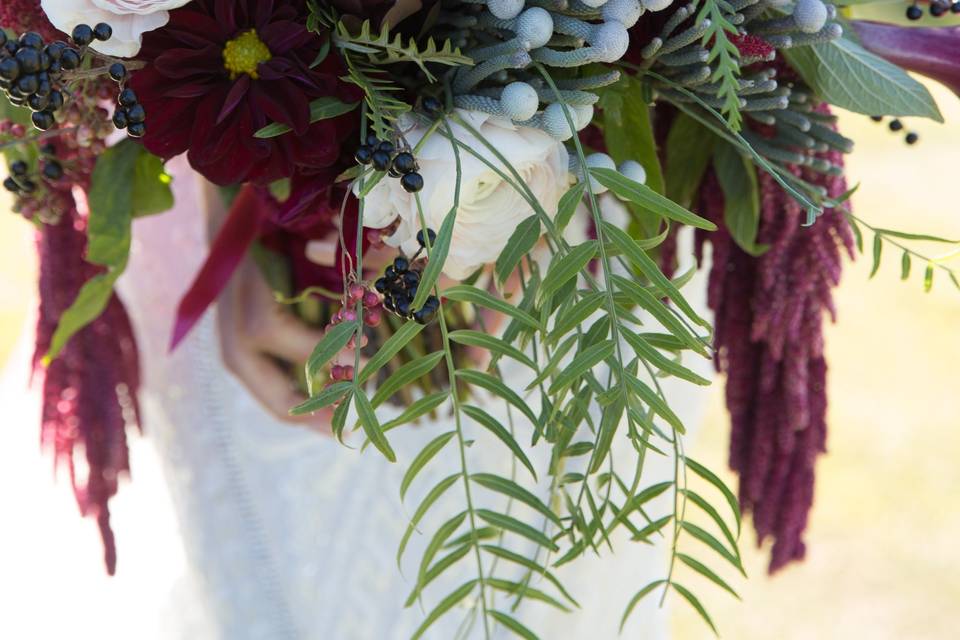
(769,339)
(89,390)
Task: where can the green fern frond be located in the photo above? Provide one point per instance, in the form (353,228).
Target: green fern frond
(384,49)
(725,55)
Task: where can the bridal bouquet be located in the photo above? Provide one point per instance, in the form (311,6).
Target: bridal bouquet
(525,166)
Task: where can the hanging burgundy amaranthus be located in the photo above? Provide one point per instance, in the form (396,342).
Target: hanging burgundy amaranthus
(90,389)
(769,339)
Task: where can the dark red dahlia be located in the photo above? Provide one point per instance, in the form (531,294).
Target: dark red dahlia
(220,71)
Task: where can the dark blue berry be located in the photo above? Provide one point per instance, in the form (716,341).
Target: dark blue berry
(127,97)
(411,278)
(55,50)
(11,185)
(401,264)
(381,160)
(431,236)
(372,140)
(914,12)
(137,129)
(52,170)
(28,84)
(31,40)
(895,125)
(404,162)
(9,69)
(380,285)
(43,120)
(120,120)
(82,35)
(102,31)
(55,100)
(136,114)
(364,154)
(19,168)
(118,72)
(412,182)
(386,146)
(36,102)
(912,138)
(29,60)
(69,59)
(389,273)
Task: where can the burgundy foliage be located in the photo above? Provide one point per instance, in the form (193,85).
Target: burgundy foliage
(769,339)
(89,391)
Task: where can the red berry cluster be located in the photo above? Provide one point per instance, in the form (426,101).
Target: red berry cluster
(372,317)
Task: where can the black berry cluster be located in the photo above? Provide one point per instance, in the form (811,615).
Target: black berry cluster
(23,181)
(34,74)
(129,113)
(938,8)
(30,74)
(384,156)
(399,286)
(896,126)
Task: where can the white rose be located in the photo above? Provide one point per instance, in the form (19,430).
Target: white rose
(130,19)
(490,208)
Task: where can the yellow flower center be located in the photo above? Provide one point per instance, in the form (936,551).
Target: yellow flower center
(244,54)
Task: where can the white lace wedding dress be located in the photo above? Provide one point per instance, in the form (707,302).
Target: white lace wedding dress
(291,535)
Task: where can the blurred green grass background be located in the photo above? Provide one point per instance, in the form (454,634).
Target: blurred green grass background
(883,560)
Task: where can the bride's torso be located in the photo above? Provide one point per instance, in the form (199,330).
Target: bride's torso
(289,534)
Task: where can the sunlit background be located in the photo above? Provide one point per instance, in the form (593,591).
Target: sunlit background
(883,563)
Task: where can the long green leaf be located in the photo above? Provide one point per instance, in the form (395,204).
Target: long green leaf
(707,573)
(445,605)
(576,315)
(581,364)
(436,569)
(492,344)
(877,252)
(426,455)
(514,588)
(650,269)
(513,490)
(709,509)
(332,343)
(446,530)
(424,506)
(509,523)
(473,295)
(655,402)
(609,423)
(695,603)
(419,407)
(485,420)
(372,428)
(665,364)
(512,624)
(325,398)
(405,375)
(498,388)
(647,301)
(564,268)
(407,332)
(568,205)
(637,597)
(437,256)
(719,484)
(711,541)
(649,199)
(521,241)
(523,561)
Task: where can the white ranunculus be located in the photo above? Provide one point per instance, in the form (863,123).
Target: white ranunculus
(130,19)
(490,208)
